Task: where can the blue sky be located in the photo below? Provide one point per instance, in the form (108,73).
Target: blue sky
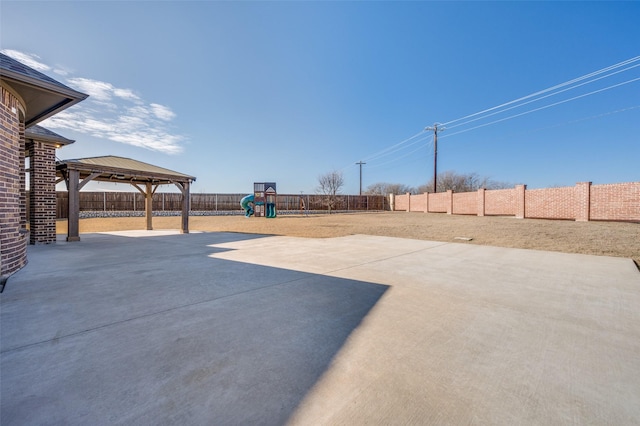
(241,92)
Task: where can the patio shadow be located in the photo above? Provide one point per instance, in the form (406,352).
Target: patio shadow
(116,330)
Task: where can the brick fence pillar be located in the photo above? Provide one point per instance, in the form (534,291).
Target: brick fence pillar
(481,194)
(449,201)
(521,191)
(583,201)
(42,193)
(408,202)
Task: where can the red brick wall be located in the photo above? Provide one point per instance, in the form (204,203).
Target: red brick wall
(13,243)
(465,203)
(438,202)
(550,203)
(618,201)
(500,202)
(42,193)
(401,202)
(419,203)
(583,202)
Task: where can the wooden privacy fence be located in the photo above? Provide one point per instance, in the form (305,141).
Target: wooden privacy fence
(213,203)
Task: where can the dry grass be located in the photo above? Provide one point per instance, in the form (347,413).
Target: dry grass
(598,238)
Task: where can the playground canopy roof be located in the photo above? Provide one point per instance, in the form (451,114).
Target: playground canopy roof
(122,170)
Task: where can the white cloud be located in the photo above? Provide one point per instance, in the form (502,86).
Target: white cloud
(61,72)
(97,89)
(163,112)
(126,94)
(28,59)
(116,114)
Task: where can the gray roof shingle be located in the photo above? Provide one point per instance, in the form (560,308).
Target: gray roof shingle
(7,63)
(40,133)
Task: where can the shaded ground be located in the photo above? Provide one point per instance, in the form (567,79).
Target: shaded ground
(599,238)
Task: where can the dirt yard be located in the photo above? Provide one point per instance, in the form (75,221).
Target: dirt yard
(598,238)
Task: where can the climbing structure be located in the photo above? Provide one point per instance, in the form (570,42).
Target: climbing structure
(264,198)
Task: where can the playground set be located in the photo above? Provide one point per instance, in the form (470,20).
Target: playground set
(262,203)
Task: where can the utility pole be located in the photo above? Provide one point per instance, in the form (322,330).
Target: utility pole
(360,163)
(435,130)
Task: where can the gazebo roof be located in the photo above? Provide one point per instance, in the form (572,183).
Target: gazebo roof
(42,95)
(120,169)
(77,173)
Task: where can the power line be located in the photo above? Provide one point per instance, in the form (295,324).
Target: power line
(402,156)
(384,152)
(566,83)
(542,97)
(391,149)
(545,107)
(402,145)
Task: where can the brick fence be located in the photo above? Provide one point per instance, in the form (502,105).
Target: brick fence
(583,202)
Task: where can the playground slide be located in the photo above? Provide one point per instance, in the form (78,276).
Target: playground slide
(246,204)
(271,210)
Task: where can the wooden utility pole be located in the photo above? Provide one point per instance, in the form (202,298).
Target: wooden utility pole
(361,163)
(435,130)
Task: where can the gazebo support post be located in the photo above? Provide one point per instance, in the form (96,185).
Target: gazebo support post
(73,221)
(148,206)
(186,198)
(148,202)
(74,186)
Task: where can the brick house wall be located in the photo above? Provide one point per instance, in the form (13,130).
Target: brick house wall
(13,234)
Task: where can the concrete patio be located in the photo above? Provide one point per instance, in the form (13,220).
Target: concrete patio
(157,327)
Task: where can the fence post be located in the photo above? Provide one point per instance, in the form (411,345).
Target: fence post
(449,201)
(583,201)
(104,201)
(134,201)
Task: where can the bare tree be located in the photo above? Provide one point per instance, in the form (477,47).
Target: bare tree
(462,182)
(329,185)
(384,188)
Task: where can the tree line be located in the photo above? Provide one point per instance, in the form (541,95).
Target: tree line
(330,184)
